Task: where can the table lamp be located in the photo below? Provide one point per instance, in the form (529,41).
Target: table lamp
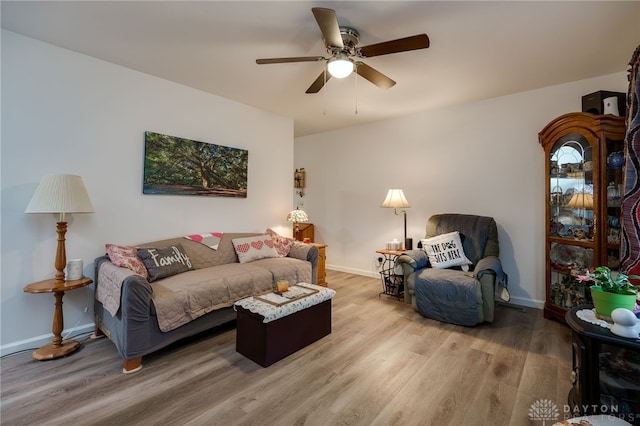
(580,201)
(296,216)
(396,200)
(60,194)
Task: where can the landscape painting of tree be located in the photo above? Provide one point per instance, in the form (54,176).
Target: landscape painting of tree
(180,166)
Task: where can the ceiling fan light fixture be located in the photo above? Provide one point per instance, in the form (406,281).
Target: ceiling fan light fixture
(340,67)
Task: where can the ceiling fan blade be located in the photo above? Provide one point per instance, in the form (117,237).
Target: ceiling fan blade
(285,60)
(374,76)
(319,83)
(415,42)
(328,23)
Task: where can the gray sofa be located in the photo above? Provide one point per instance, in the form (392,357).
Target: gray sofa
(135,329)
(453,295)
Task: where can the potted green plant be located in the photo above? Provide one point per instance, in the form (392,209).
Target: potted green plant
(609,293)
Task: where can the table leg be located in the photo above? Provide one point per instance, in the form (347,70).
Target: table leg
(58,347)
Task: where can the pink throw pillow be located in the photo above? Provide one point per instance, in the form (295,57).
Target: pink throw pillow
(126,257)
(254,248)
(282,244)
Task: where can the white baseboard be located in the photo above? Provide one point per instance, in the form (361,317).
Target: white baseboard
(355,271)
(521,301)
(38,341)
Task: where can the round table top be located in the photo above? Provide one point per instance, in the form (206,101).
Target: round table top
(53,285)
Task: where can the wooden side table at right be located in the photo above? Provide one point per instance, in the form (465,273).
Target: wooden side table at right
(58,347)
(322,263)
(305,230)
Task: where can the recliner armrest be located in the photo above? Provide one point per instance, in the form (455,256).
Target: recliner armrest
(412,260)
(489,265)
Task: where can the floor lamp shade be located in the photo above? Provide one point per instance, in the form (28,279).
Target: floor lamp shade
(395,199)
(60,194)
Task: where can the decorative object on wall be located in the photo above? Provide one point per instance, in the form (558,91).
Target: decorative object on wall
(296,216)
(630,247)
(299,181)
(178,166)
(395,199)
(299,178)
(60,194)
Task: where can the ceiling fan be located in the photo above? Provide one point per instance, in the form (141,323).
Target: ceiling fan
(345,54)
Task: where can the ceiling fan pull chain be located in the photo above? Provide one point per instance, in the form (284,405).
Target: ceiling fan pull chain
(324,92)
(356,79)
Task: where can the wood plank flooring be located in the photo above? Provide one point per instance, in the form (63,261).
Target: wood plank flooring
(383,364)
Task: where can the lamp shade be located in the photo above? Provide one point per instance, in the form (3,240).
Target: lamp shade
(580,200)
(60,194)
(340,67)
(395,199)
(297,215)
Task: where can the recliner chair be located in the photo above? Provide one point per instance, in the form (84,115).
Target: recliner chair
(453,295)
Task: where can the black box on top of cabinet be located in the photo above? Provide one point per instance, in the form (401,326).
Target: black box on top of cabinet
(594,102)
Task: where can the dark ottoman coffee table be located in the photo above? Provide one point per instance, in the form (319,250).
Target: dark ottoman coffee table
(272,326)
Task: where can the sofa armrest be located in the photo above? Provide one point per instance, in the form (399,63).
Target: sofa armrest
(302,251)
(135,294)
(307,252)
(136,298)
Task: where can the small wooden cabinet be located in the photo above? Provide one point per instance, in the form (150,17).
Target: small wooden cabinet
(305,230)
(583,179)
(322,262)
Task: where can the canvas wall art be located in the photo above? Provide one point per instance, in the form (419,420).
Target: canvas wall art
(179,166)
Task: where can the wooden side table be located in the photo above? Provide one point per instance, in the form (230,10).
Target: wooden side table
(322,263)
(58,347)
(305,230)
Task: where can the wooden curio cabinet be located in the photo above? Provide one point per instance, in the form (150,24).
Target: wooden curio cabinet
(583,179)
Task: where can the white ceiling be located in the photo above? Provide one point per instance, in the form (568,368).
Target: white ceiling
(478,50)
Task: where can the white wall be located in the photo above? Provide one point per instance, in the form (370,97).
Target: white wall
(481,158)
(63,112)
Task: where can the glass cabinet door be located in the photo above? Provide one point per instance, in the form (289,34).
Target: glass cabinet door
(612,228)
(571,183)
(572,227)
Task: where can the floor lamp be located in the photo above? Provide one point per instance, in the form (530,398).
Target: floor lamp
(60,194)
(396,200)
